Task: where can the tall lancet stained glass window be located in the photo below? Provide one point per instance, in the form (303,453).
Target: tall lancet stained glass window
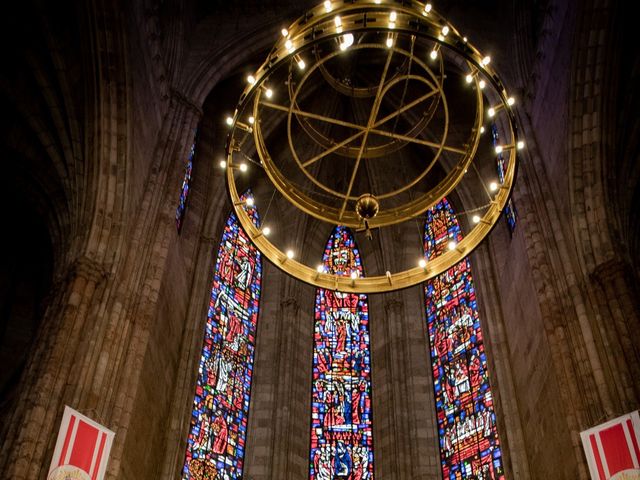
(341,437)
(186,183)
(469,445)
(216,442)
(510,212)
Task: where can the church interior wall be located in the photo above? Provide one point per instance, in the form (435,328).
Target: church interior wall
(103,126)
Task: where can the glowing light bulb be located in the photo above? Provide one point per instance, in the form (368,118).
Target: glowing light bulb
(327,6)
(469,78)
(499,149)
(251,79)
(347,41)
(284,32)
(301,64)
(223,164)
(320,268)
(290,254)
(393,16)
(252,120)
(482,84)
(445,31)
(269,93)
(288,45)
(354,275)
(433,54)
(427,7)
(493,186)
(520,145)
(229,121)
(511,101)
(266,231)
(452,245)
(389,42)
(486,60)
(338,21)
(422,263)
(476,219)
(464,39)
(481,129)
(492,112)
(243,167)
(249,201)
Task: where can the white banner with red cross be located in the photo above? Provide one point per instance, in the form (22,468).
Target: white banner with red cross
(82,449)
(613,448)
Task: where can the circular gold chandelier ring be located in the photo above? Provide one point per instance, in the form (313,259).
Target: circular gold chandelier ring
(410,20)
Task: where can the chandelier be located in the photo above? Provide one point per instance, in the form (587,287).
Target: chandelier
(366,114)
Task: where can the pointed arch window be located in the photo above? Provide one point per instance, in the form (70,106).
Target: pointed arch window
(186,183)
(216,442)
(510,212)
(469,444)
(341,434)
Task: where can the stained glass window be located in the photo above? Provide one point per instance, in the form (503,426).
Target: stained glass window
(341,437)
(186,183)
(216,442)
(469,445)
(510,212)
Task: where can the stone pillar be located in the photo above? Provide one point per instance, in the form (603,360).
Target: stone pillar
(60,351)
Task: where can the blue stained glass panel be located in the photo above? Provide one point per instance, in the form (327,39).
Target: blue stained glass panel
(341,434)
(469,444)
(216,442)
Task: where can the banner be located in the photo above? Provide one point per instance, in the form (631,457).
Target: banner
(82,449)
(613,448)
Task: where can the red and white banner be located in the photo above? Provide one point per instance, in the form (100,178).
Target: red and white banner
(613,448)
(82,449)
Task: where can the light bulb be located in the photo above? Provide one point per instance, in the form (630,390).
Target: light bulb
(347,41)
(288,45)
(499,149)
(354,275)
(482,84)
(464,39)
(223,164)
(427,7)
(252,120)
(327,6)
(486,60)
(284,32)
(290,254)
(476,219)
(229,121)
(493,186)
(433,54)
(389,42)
(301,64)
(251,79)
(511,101)
(243,167)
(452,245)
(492,112)
(422,263)
(338,21)
(392,16)
(249,201)
(520,145)
(266,231)
(481,129)
(469,78)
(320,268)
(445,31)
(269,93)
